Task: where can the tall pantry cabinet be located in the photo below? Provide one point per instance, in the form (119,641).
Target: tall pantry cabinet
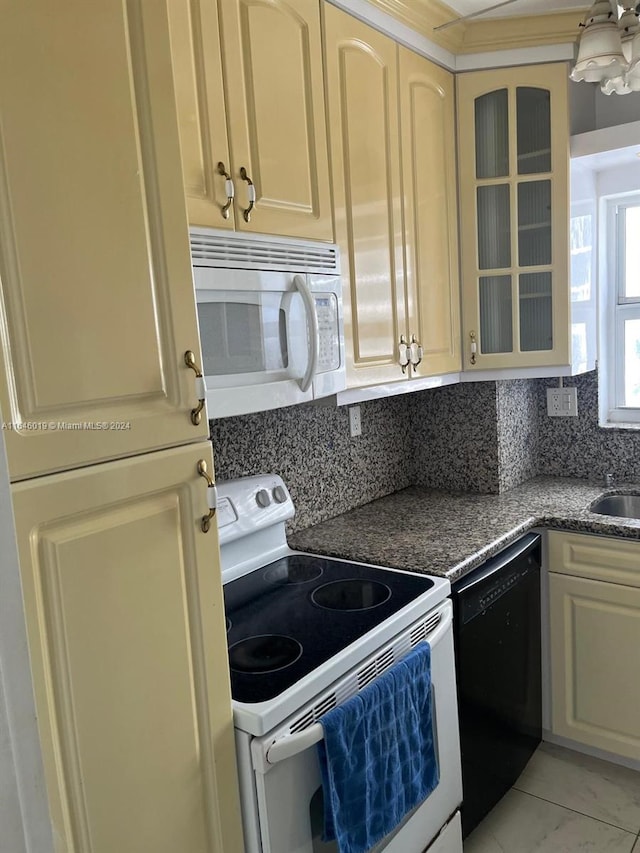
(121,585)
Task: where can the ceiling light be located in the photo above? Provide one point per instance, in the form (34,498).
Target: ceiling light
(609,48)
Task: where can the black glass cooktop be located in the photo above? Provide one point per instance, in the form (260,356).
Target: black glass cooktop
(287,618)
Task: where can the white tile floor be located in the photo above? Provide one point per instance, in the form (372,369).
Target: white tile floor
(564,802)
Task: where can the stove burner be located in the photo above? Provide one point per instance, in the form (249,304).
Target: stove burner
(293,571)
(352,594)
(264,653)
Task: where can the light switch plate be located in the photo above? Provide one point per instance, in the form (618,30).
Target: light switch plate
(562,402)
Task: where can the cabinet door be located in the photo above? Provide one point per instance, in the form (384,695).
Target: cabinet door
(362,94)
(96,295)
(197,68)
(427,124)
(275,106)
(514,216)
(599,558)
(595,662)
(126,632)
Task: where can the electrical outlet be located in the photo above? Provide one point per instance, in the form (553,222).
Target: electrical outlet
(355,423)
(562,402)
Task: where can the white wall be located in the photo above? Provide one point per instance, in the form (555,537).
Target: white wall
(25,826)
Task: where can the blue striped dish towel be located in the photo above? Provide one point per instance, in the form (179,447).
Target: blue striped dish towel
(378,758)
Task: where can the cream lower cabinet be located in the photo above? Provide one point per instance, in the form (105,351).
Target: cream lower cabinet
(125,621)
(96,295)
(594,588)
(391,124)
(257,64)
(513,158)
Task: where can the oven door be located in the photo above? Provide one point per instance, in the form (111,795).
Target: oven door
(282,790)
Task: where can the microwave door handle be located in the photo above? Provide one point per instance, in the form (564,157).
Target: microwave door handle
(290,745)
(314,343)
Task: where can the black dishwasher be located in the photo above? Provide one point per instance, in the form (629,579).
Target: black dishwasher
(497,640)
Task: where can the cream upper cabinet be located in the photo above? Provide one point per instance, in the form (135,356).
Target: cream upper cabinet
(427,125)
(391,123)
(269,54)
(513,144)
(96,295)
(197,66)
(362,90)
(125,621)
(594,589)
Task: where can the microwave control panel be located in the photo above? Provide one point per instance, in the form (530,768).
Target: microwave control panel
(329,344)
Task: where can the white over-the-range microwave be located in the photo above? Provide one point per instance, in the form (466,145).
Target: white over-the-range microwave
(270,317)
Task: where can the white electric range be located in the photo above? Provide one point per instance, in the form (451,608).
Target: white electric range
(305,633)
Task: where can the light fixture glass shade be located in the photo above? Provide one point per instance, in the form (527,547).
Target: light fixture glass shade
(635,49)
(600,55)
(633,73)
(628,28)
(615,86)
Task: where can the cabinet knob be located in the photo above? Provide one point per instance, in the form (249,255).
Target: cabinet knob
(251,190)
(229,189)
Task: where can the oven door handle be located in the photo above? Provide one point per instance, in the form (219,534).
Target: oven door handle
(290,745)
(287,747)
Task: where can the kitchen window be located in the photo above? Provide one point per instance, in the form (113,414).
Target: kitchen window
(621,311)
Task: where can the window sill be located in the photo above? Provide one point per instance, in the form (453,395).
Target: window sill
(624,425)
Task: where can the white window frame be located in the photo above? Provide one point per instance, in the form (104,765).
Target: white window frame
(617,308)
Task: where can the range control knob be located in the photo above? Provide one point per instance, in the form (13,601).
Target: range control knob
(279,495)
(263,498)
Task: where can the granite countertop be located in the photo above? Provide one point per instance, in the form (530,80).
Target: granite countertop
(448,533)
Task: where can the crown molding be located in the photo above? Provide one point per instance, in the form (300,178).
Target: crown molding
(522,31)
(476,36)
(424,16)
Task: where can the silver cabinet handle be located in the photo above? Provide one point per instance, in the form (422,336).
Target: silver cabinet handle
(416,351)
(229,189)
(251,190)
(201,390)
(403,353)
(314,342)
(473,346)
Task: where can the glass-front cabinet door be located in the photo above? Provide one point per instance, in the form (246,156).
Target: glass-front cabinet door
(513,140)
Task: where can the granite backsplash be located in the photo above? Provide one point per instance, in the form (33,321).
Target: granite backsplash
(518,431)
(455,439)
(484,437)
(326,471)
(579,447)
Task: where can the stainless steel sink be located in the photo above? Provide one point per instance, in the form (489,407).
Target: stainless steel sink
(622,506)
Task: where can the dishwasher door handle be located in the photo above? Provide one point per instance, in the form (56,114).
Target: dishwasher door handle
(509,555)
